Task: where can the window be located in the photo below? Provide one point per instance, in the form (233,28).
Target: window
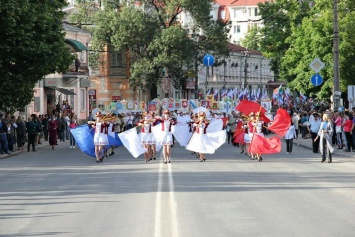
(237,29)
(255,11)
(223,14)
(235,13)
(82,99)
(116,59)
(37,104)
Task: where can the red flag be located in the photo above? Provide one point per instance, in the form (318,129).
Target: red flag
(247,107)
(263,145)
(281,123)
(225,120)
(264,118)
(238,136)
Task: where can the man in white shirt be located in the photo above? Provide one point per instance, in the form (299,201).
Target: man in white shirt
(67,123)
(313,129)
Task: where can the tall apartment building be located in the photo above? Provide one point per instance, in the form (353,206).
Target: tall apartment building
(243,15)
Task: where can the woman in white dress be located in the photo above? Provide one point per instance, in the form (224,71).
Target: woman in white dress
(199,142)
(147,138)
(167,138)
(100,137)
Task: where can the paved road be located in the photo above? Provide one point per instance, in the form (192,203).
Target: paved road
(65,193)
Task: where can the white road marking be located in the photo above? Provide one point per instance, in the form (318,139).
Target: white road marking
(157,227)
(174,223)
(172,204)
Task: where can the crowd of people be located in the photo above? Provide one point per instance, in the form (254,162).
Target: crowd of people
(15,132)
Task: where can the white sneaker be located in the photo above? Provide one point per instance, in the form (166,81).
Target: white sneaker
(71,147)
(287,152)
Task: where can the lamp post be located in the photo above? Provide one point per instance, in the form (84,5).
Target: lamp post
(336,87)
(196,78)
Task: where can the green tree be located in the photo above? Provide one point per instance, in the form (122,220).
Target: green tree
(32,46)
(314,38)
(156,39)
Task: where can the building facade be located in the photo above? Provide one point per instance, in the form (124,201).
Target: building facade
(71,86)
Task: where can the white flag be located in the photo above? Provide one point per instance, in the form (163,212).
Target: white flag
(131,141)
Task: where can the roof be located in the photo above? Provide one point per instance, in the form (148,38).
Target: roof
(69,27)
(239,49)
(239,2)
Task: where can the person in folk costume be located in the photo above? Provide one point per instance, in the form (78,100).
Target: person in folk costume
(166,123)
(240,132)
(192,129)
(248,137)
(153,145)
(100,137)
(325,134)
(258,129)
(239,128)
(200,128)
(53,130)
(112,132)
(147,135)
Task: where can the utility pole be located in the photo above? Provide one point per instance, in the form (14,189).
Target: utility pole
(336,87)
(207,72)
(196,79)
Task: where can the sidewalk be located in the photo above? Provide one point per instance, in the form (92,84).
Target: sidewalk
(307,143)
(16,152)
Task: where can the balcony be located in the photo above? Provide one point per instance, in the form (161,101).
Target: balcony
(83,70)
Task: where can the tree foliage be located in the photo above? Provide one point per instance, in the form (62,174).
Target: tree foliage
(32,46)
(296,32)
(150,30)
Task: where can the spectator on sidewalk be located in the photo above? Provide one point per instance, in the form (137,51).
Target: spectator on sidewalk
(53,131)
(31,127)
(4,149)
(12,133)
(72,125)
(67,124)
(313,129)
(290,135)
(21,132)
(45,126)
(347,125)
(61,128)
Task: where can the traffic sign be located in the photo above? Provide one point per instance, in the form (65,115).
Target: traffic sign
(208,60)
(317,65)
(316,80)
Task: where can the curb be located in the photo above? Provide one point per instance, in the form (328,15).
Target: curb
(339,154)
(5,156)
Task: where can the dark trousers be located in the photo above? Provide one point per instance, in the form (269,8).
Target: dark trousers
(20,140)
(349,141)
(326,151)
(339,137)
(10,142)
(289,144)
(315,144)
(31,141)
(4,147)
(72,140)
(230,136)
(45,133)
